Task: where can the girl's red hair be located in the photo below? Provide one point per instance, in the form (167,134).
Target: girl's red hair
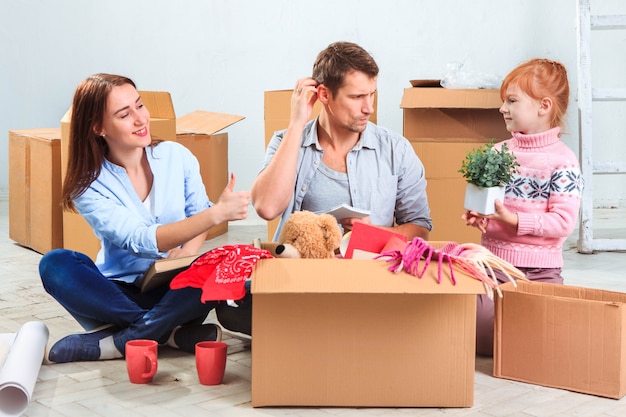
(540,78)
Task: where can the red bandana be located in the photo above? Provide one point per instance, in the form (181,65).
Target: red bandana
(221,272)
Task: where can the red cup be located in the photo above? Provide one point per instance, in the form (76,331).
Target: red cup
(141,360)
(211,362)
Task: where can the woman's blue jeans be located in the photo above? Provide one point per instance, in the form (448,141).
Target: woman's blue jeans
(93,300)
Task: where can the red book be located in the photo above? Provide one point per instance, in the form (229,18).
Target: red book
(370,238)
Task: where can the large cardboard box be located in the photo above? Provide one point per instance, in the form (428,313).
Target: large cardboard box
(35,215)
(162,115)
(339,332)
(562,336)
(196,130)
(277,109)
(443,125)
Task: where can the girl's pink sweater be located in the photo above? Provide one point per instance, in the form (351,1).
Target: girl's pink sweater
(545,194)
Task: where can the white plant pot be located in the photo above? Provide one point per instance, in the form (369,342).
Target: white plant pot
(482,200)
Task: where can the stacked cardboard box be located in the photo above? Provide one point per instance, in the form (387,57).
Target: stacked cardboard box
(562,336)
(196,130)
(35,215)
(443,125)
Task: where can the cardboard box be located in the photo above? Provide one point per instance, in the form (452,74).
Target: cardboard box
(562,336)
(35,215)
(446,190)
(436,114)
(339,332)
(77,233)
(277,109)
(162,115)
(197,131)
(443,125)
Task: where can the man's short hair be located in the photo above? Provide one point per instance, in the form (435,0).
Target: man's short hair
(338,60)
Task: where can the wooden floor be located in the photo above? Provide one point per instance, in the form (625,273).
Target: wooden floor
(103,389)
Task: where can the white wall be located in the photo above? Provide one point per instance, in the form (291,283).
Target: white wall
(221,55)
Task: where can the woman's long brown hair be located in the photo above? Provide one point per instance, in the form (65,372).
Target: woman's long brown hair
(87,149)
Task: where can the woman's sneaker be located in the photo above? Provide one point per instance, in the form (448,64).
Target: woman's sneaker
(82,346)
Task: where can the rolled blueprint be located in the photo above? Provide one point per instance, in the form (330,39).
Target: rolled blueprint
(21,366)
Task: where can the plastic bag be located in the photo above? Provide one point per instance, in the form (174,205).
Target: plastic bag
(457,78)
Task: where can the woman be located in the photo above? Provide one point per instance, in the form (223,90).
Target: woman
(144,200)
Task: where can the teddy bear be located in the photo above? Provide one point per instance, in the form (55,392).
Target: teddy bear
(309,235)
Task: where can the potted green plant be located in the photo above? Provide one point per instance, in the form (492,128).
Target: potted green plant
(487,171)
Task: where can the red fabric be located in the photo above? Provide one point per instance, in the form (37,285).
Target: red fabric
(369,238)
(221,272)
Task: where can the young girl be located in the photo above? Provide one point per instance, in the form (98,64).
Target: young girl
(144,200)
(541,203)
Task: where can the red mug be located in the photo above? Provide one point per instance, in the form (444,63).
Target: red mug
(141,360)
(211,362)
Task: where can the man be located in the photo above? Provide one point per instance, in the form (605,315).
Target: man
(341,157)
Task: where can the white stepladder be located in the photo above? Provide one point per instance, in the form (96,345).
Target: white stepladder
(586,96)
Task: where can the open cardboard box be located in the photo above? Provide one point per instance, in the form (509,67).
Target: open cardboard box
(562,336)
(198,131)
(35,215)
(443,125)
(346,332)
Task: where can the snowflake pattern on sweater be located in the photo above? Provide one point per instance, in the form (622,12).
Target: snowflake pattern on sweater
(565,180)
